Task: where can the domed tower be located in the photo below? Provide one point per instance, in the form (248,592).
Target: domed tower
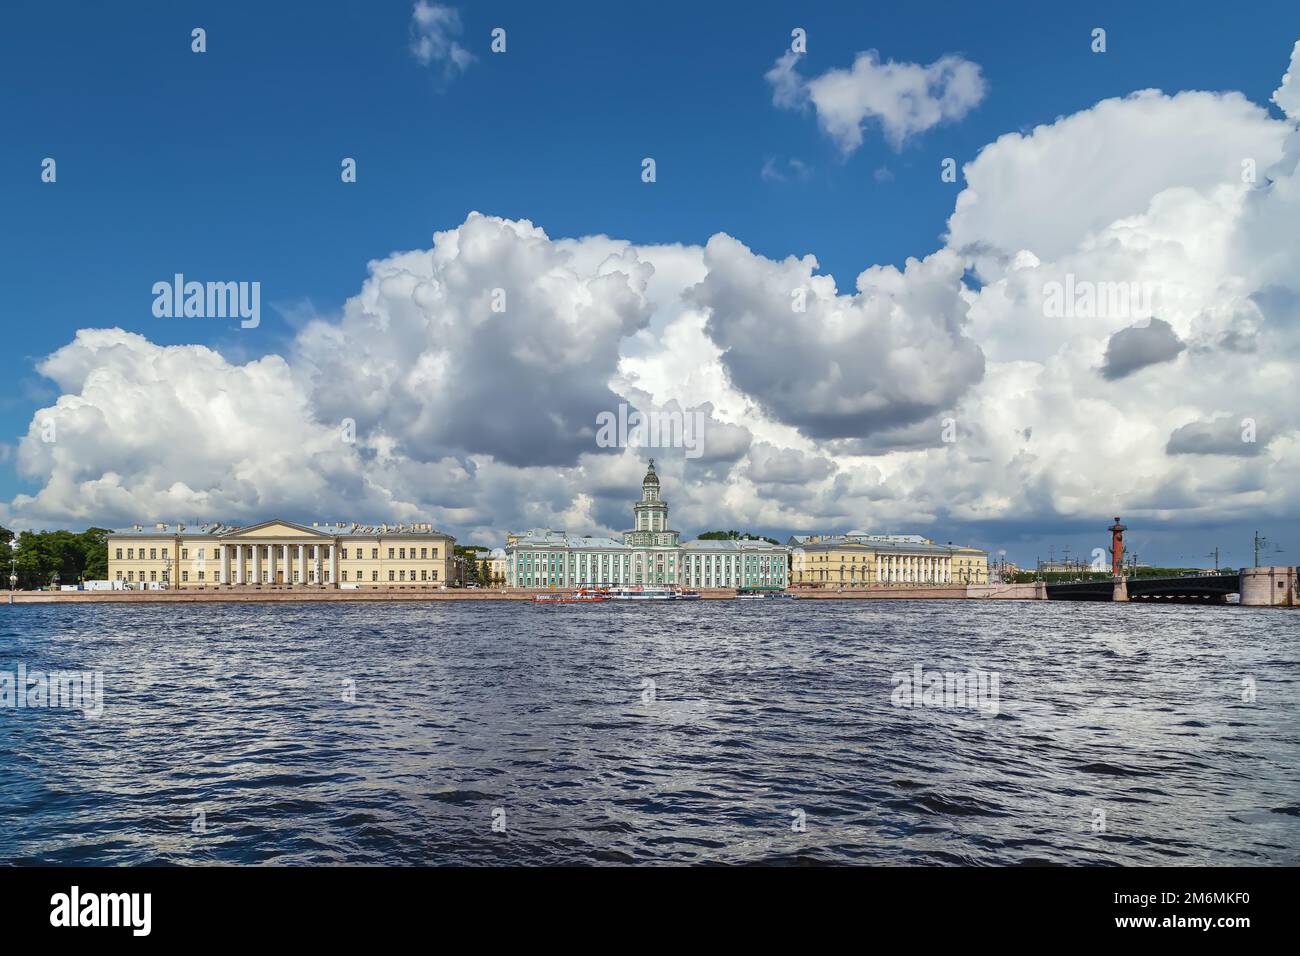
(651,514)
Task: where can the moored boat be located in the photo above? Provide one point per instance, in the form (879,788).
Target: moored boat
(580,596)
(763,594)
(652,593)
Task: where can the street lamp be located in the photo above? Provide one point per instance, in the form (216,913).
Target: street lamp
(13,568)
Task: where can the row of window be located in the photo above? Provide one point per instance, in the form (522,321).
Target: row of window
(395,576)
(881,559)
(393,553)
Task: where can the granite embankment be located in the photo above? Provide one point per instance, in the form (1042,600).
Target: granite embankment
(1022,592)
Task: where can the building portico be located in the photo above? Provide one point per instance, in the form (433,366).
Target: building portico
(280,553)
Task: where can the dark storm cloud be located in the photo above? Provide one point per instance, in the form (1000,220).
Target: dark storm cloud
(840,366)
(1220,436)
(1138,346)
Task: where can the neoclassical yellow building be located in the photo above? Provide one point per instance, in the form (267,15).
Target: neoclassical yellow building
(856,559)
(281,553)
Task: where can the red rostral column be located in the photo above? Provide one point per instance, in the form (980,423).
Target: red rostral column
(1116,547)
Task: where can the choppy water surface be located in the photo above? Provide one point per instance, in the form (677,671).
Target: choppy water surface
(759,710)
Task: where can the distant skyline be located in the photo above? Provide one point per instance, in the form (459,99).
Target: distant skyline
(1096,313)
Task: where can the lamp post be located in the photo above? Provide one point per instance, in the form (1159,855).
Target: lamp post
(13,568)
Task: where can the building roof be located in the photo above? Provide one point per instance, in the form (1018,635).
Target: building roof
(217,529)
(546,538)
(889,547)
(733,545)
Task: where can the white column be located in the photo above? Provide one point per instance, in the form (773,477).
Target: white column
(302,564)
(334,563)
(257,564)
(225,564)
(239,563)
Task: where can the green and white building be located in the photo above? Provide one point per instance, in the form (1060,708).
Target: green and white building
(649,554)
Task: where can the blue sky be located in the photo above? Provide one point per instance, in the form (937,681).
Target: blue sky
(226,164)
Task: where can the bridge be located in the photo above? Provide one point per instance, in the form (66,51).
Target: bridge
(1188,589)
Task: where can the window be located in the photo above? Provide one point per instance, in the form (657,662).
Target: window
(390,575)
(130,554)
(185,554)
(153,575)
(435,554)
(374,554)
(374,575)
(424,575)
(185,575)
(130,575)
(390,554)
(345,556)
(200,575)
(403,574)
(119,554)
(345,575)
(424,553)
(164,554)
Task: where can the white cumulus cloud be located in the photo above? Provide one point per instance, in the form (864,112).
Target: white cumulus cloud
(905,99)
(434,32)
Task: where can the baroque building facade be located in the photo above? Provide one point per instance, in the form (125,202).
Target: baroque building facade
(651,553)
(280,553)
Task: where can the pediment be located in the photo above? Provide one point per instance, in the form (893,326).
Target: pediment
(276,528)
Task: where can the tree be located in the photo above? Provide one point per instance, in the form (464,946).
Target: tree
(735,536)
(6,553)
(72,556)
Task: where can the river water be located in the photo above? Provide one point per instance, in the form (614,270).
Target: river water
(721,732)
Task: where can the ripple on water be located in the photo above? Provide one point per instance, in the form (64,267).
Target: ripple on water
(494,733)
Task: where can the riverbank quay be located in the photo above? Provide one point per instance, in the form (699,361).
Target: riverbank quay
(273,594)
